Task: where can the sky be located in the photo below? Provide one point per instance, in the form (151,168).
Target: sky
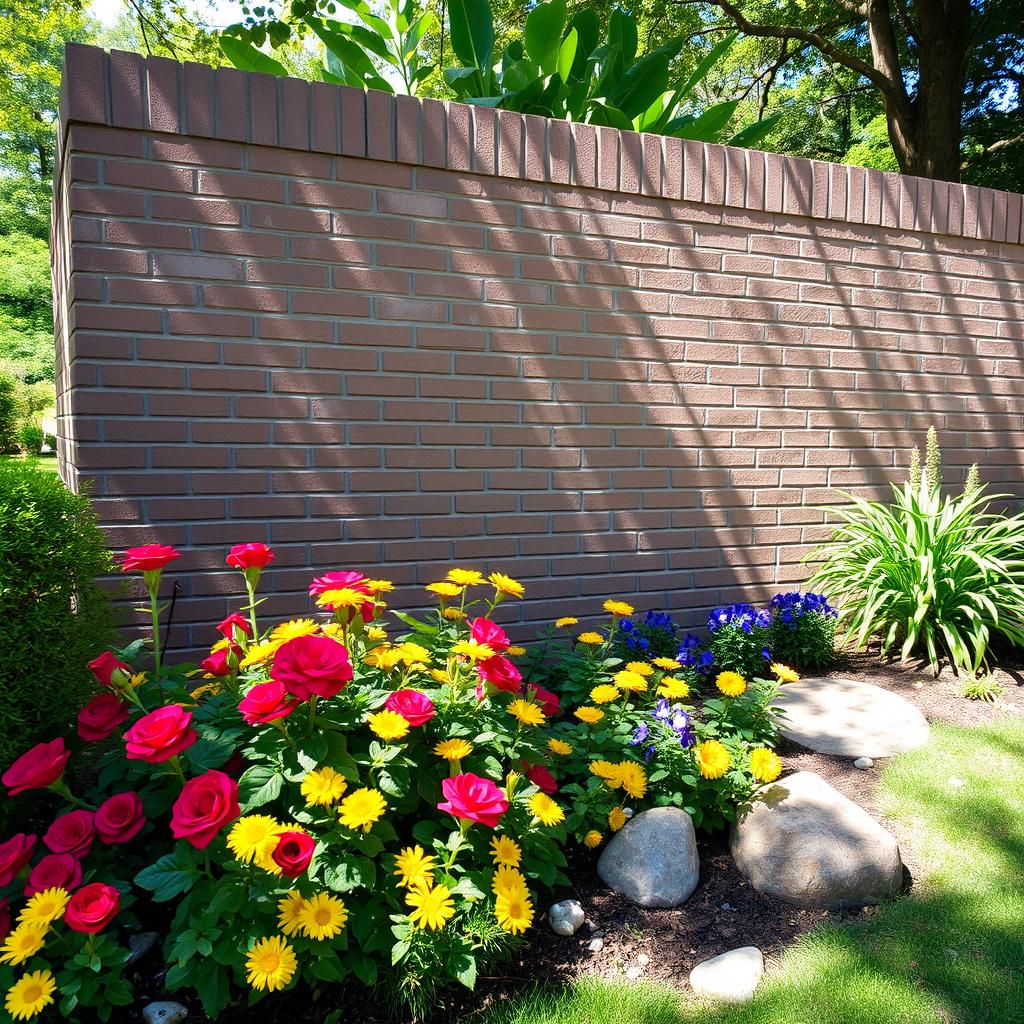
(215,13)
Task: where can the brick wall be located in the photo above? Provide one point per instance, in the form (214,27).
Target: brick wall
(395,335)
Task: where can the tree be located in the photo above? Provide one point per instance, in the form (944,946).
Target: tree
(937,65)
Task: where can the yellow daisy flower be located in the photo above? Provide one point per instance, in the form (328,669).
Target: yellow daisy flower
(322,916)
(525,712)
(376,587)
(765,764)
(254,837)
(506,851)
(138,679)
(270,964)
(383,657)
(631,682)
(589,715)
(591,639)
(465,577)
(732,684)
(454,614)
(472,650)
(619,609)
(605,693)
(323,786)
(259,653)
(784,673)
(633,779)
(290,630)
(432,906)
(673,688)
(412,653)
(30,995)
(289,911)
(23,942)
(607,771)
(439,675)
(44,907)
(454,750)
(559,747)
(544,808)
(361,808)
(376,634)
(514,652)
(514,912)
(616,818)
(592,840)
(641,668)
(507,880)
(505,585)
(713,759)
(668,664)
(566,621)
(414,866)
(388,725)
(443,589)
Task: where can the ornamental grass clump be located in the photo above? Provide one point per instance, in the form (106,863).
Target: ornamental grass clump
(321,799)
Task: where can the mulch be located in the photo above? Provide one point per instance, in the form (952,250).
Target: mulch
(619,939)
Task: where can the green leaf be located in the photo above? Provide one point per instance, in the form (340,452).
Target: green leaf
(463,966)
(259,785)
(213,987)
(542,34)
(706,128)
(754,133)
(567,54)
(246,57)
(170,876)
(471,25)
(349,872)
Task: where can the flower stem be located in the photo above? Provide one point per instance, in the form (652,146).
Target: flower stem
(312,714)
(251,588)
(153,585)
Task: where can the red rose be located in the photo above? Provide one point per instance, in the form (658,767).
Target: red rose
(476,799)
(71,833)
(540,776)
(205,805)
(347,580)
(101,716)
(104,667)
(501,674)
(312,666)
(55,870)
(483,631)
(119,818)
(250,556)
(217,663)
(267,702)
(92,908)
(415,707)
(293,853)
(549,702)
(234,621)
(160,735)
(148,557)
(14,855)
(37,768)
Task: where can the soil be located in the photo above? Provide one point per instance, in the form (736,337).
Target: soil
(723,913)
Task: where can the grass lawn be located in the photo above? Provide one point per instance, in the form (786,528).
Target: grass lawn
(951,951)
(44,462)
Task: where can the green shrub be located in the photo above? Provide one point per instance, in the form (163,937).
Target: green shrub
(739,640)
(10,414)
(937,575)
(53,617)
(31,437)
(986,689)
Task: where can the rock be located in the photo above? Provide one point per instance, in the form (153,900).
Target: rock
(633,973)
(140,944)
(596,945)
(806,843)
(164,1013)
(956,783)
(643,959)
(732,976)
(652,860)
(566,917)
(863,763)
(849,718)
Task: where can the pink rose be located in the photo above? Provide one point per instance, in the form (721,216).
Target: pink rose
(266,702)
(92,908)
(14,855)
(205,805)
(119,818)
(148,557)
(250,556)
(415,707)
(473,798)
(501,674)
(101,716)
(37,768)
(312,666)
(483,631)
(235,621)
(55,870)
(217,664)
(160,735)
(71,833)
(104,668)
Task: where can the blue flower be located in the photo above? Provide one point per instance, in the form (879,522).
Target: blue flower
(662,711)
(640,734)
(649,752)
(680,720)
(626,625)
(766,654)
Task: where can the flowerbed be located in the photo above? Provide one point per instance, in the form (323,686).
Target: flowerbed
(330,802)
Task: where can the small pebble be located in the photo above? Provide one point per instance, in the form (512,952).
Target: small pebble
(566,917)
(596,945)
(633,973)
(918,686)
(643,959)
(164,1013)
(863,763)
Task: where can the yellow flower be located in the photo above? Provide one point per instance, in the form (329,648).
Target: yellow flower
(454,614)
(514,652)
(206,690)
(138,679)
(505,585)
(413,653)
(631,682)
(668,664)
(618,608)
(289,910)
(444,589)
(589,715)
(383,657)
(376,587)
(388,725)
(673,688)
(641,668)
(559,747)
(784,673)
(254,837)
(258,653)
(592,840)
(506,851)
(591,639)
(472,650)
(335,631)
(323,786)
(30,995)
(713,759)
(432,906)
(765,764)
(322,916)
(514,911)
(221,644)
(361,808)
(414,866)
(44,907)
(565,622)
(507,880)
(453,750)
(525,712)
(270,964)
(376,634)
(25,941)
(544,808)
(732,684)
(604,694)
(465,577)
(344,597)
(616,818)
(290,630)
(633,779)
(439,676)
(607,771)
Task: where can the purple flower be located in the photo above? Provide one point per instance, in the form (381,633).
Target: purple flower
(662,711)
(640,734)
(649,753)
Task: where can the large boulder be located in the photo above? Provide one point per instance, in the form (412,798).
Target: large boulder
(850,718)
(805,842)
(652,860)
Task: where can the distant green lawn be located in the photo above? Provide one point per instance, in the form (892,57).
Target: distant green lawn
(44,462)
(951,952)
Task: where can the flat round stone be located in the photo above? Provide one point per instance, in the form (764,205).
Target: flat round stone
(849,718)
